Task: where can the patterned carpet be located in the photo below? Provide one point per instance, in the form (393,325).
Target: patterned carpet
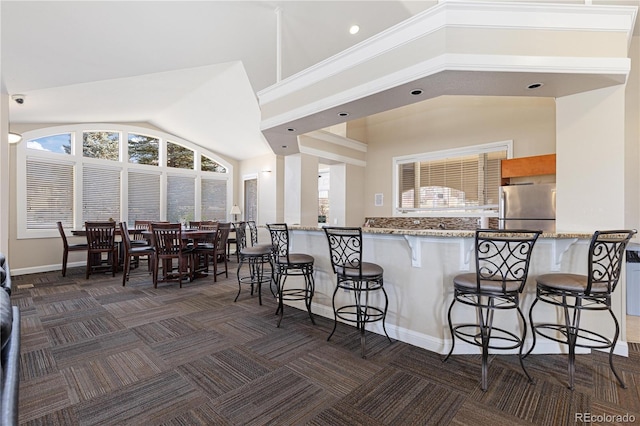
(94,352)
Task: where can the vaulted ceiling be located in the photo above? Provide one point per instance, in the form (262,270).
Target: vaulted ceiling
(190,68)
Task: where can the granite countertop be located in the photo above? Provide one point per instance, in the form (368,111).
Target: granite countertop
(451,233)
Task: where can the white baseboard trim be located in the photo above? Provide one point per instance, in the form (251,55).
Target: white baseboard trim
(45,268)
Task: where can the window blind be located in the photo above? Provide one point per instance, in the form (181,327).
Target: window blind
(449,183)
(100,194)
(49,194)
(213,199)
(144,196)
(180,198)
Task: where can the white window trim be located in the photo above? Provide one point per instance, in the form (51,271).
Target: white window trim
(434,155)
(77,160)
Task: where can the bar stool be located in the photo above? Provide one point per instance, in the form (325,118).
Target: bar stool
(290,264)
(354,275)
(576,293)
(256,257)
(502,266)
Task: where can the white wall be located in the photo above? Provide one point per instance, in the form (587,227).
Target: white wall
(451,122)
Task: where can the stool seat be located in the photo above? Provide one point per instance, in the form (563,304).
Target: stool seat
(469,281)
(295,259)
(368,270)
(570,282)
(256,251)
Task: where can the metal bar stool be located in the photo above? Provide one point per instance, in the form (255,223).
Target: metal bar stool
(290,264)
(502,266)
(256,257)
(575,294)
(354,275)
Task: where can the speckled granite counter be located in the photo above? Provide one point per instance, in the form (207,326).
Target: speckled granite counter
(454,233)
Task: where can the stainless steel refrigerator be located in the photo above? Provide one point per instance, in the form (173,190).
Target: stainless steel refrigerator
(531,206)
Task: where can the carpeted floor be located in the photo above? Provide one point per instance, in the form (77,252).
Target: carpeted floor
(94,352)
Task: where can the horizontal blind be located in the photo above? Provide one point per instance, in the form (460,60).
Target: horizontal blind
(407,179)
(456,182)
(493,175)
(100,194)
(180,198)
(49,194)
(144,197)
(214,199)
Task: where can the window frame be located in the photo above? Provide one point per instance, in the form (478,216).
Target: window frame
(439,155)
(77,159)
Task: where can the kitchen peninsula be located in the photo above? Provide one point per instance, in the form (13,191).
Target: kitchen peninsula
(419,266)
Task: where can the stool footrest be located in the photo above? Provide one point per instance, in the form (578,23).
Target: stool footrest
(584,338)
(359,314)
(474,337)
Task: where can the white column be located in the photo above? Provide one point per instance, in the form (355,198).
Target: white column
(301,190)
(590,148)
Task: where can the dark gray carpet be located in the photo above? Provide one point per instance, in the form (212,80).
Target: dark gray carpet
(94,352)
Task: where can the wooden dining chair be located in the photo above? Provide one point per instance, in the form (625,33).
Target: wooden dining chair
(221,248)
(68,247)
(101,240)
(132,252)
(205,248)
(169,245)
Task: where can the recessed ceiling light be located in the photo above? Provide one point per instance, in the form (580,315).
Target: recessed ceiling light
(354,29)
(343,114)
(291,129)
(285,146)
(535,85)
(416,92)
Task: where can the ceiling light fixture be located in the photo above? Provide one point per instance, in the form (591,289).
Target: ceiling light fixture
(535,86)
(291,129)
(343,114)
(354,29)
(416,92)
(14,137)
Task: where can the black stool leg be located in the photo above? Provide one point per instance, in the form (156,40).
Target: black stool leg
(522,340)
(310,288)
(485,317)
(453,334)
(335,314)
(280,310)
(384,314)
(533,328)
(613,346)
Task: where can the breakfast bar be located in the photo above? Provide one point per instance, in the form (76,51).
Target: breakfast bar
(419,266)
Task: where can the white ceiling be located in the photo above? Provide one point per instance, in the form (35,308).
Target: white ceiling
(190,68)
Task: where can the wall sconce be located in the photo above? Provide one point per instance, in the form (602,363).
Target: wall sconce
(14,137)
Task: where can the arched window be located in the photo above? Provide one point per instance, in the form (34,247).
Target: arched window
(89,172)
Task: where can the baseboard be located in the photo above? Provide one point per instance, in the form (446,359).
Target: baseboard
(45,268)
